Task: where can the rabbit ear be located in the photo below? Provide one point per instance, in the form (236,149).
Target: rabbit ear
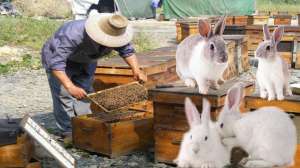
(220,26)
(191,112)
(205,115)
(204,28)
(267,35)
(234,96)
(277,34)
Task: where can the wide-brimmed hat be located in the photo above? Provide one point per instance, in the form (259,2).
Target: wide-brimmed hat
(111,30)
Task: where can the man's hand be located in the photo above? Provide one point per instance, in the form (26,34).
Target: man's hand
(137,73)
(76,92)
(139,76)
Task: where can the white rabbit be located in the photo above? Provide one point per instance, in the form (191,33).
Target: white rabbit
(201,146)
(202,58)
(272,72)
(268,134)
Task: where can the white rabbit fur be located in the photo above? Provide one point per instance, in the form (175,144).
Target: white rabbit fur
(268,134)
(272,73)
(201,146)
(202,58)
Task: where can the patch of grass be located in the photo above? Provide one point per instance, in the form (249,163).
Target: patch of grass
(26,32)
(46,8)
(292,6)
(27,62)
(143,42)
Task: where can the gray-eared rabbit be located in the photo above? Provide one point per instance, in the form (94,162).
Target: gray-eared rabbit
(267,134)
(201,146)
(201,59)
(272,73)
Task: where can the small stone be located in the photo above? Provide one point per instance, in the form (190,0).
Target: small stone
(133,164)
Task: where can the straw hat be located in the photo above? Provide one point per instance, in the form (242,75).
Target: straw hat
(111,30)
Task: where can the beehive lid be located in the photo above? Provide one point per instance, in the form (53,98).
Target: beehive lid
(119,97)
(146,60)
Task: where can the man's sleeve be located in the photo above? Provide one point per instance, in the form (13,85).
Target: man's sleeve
(62,48)
(126,50)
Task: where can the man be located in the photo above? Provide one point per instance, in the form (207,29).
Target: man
(70,59)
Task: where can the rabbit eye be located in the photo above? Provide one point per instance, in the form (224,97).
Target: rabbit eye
(212,47)
(222,125)
(268,48)
(205,138)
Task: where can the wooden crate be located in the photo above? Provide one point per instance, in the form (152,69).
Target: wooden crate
(241,59)
(169,116)
(289,104)
(260,20)
(242,20)
(17,155)
(189,28)
(113,137)
(298,16)
(255,36)
(229,20)
(159,66)
(297,63)
(231,71)
(178,32)
(282,20)
(234,30)
(287,57)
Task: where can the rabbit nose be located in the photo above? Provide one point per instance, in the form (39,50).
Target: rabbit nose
(195,150)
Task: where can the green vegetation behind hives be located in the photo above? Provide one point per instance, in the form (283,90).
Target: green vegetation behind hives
(291,6)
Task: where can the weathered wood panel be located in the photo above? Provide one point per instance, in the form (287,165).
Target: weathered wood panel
(289,104)
(113,138)
(17,155)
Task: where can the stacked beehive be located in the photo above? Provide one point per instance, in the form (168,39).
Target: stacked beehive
(169,120)
(287,47)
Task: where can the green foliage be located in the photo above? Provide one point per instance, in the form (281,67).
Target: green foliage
(27,32)
(292,6)
(27,62)
(143,42)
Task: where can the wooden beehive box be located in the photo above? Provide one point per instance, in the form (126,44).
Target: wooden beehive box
(241,52)
(286,46)
(158,65)
(234,30)
(169,116)
(282,20)
(297,54)
(242,20)
(113,135)
(289,104)
(17,155)
(260,20)
(229,20)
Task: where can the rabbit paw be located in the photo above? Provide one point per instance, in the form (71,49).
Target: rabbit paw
(214,85)
(208,165)
(281,97)
(203,90)
(263,94)
(190,83)
(271,97)
(182,163)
